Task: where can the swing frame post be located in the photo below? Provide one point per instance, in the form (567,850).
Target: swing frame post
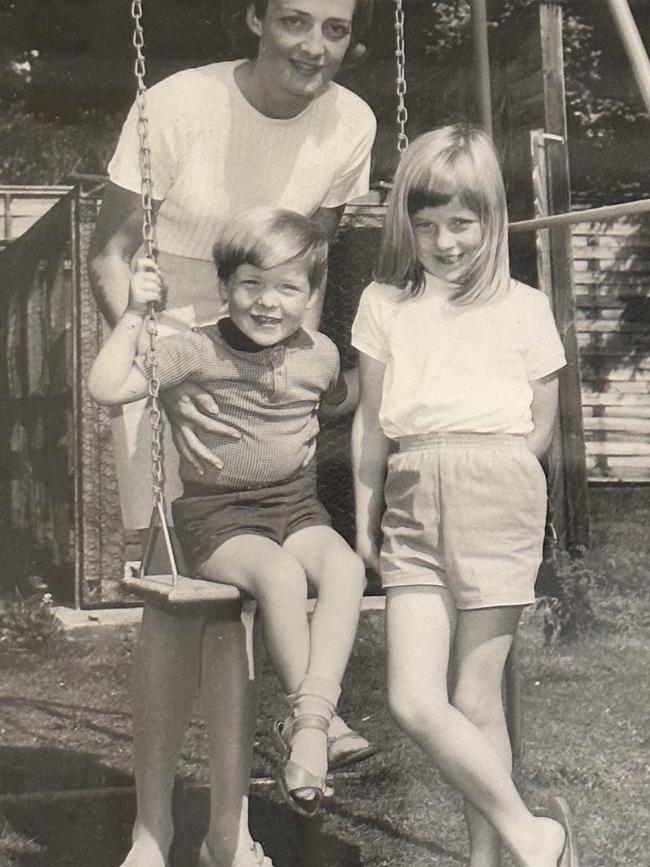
(633,45)
(482,64)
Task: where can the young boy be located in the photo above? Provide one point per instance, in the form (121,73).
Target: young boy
(256,523)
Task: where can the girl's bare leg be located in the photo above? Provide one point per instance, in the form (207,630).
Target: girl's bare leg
(480,649)
(420,622)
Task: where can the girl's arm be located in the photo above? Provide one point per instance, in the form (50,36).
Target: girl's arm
(114,378)
(369,454)
(544,409)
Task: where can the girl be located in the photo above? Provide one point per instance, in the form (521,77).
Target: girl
(459,383)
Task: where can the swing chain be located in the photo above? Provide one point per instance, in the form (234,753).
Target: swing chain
(400,59)
(151,322)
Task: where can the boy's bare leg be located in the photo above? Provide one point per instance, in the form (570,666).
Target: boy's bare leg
(338,576)
(261,568)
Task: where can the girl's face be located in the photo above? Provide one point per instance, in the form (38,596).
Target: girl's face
(303,43)
(446,238)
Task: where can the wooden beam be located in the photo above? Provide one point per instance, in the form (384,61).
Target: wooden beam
(605,213)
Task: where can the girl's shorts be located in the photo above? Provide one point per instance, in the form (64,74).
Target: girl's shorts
(466,512)
(204,518)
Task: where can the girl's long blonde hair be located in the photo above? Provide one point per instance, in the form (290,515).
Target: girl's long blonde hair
(451,161)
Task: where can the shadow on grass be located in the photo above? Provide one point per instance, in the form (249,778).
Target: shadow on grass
(70,831)
(390,829)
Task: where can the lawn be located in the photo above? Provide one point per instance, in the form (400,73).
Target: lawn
(65,748)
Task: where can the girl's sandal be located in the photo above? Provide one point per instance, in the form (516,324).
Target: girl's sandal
(292,777)
(558,809)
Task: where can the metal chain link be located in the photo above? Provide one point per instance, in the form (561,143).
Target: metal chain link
(155,414)
(400,60)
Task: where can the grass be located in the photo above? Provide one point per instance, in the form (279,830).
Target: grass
(65,726)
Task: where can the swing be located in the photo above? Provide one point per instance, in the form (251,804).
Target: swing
(166,583)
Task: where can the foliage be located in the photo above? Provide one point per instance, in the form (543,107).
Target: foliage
(569,613)
(28,623)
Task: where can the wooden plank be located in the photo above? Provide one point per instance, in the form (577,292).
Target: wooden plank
(628,423)
(635,449)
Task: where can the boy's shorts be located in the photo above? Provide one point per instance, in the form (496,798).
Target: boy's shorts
(466,512)
(204,518)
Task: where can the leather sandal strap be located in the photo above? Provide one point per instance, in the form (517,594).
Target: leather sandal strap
(309,721)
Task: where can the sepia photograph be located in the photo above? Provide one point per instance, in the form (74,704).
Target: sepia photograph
(325,433)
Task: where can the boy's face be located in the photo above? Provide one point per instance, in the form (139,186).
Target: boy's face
(269,305)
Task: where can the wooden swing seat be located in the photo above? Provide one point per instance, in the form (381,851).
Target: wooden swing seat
(162,577)
(181,590)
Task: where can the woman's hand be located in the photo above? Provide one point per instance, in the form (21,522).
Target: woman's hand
(189,407)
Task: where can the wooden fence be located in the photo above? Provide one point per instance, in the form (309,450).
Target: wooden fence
(611,265)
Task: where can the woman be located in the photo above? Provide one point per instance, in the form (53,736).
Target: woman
(270,130)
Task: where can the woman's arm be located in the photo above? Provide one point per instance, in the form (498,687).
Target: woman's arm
(369,455)
(328,219)
(118,235)
(543,409)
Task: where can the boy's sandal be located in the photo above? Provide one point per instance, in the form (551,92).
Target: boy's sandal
(253,857)
(558,809)
(347,749)
(292,777)
(342,750)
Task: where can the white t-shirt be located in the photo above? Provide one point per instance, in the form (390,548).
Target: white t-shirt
(213,154)
(452,367)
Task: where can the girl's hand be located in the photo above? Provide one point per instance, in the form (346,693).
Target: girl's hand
(191,408)
(145,287)
(369,552)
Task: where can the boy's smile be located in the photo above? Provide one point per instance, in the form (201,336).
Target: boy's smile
(269,305)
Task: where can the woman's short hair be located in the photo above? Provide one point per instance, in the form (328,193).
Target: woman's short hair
(233,19)
(456,160)
(268,237)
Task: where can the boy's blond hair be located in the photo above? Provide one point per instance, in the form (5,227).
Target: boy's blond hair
(268,237)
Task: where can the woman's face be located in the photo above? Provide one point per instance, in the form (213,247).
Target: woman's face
(302,43)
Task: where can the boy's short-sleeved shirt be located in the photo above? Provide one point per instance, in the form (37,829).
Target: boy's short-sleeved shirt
(454,367)
(213,154)
(270,398)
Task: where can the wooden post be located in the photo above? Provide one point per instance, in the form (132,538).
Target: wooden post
(482,64)
(634,47)
(572,516)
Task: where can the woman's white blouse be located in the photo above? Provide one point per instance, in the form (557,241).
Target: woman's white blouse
(213,154)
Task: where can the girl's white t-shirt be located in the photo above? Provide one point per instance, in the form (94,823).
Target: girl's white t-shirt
(453,367)
(213,154)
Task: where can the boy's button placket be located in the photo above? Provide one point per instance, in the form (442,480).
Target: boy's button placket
(277,359)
